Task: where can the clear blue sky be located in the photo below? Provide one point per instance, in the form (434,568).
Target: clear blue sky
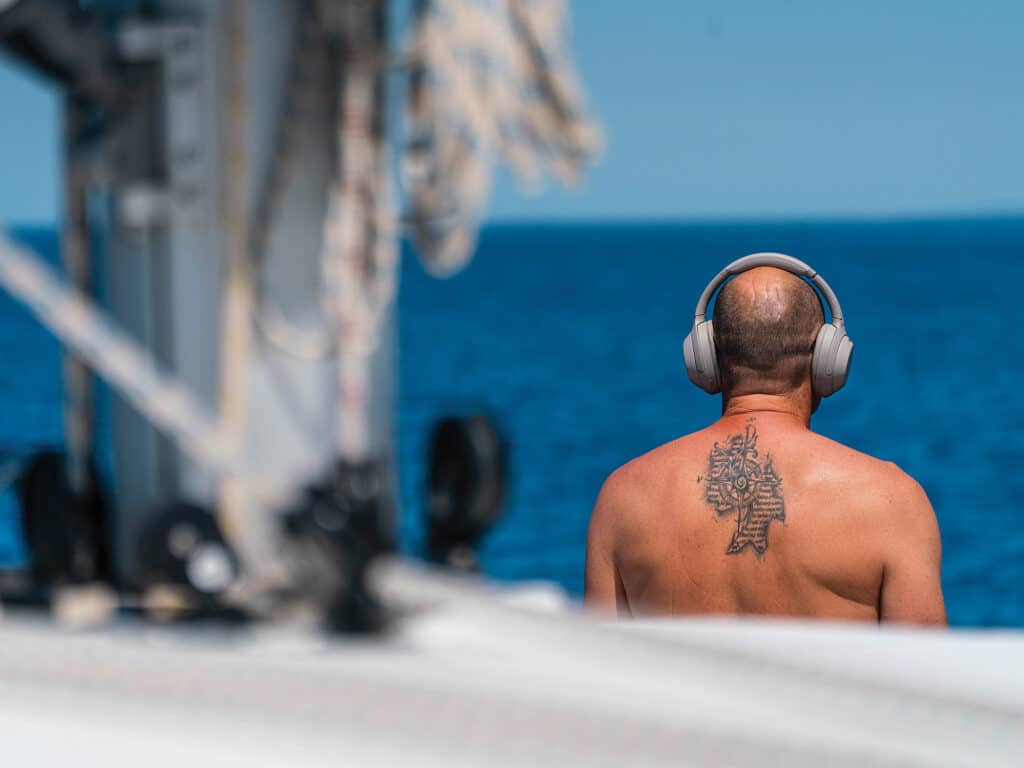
(733,108)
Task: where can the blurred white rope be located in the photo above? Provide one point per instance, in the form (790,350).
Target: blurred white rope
(126,365)
(360,255)
(492,80)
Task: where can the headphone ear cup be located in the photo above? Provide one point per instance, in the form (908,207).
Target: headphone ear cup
(833,351)
(844,356)
(701,361)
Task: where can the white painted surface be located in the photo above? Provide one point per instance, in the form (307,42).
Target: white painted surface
(485,681)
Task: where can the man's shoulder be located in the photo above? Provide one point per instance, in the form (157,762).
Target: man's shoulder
(880,485)
(622,484)
(885,474)
(635,479)
(651,467)
(631,489)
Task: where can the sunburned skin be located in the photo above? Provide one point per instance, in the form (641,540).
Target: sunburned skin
(756,514)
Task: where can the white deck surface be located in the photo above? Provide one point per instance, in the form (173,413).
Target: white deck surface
(475,681)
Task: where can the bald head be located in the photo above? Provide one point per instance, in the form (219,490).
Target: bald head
(765,321)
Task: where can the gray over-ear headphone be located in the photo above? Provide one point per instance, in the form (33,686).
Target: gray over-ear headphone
(832,349)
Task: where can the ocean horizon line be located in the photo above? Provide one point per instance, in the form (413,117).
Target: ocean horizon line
(570,222)
(937,217)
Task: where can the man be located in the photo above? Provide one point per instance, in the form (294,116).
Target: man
(756,514)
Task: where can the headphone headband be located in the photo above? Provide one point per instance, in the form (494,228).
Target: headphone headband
(768,259)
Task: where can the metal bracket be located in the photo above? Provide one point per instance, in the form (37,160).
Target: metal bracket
(178,46)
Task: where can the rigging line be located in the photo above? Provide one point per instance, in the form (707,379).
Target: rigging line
(236,309)
(123,363)
(359,256)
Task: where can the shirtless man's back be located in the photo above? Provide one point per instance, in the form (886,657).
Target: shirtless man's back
(757,514)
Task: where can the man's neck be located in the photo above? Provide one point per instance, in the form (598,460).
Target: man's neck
(796,406)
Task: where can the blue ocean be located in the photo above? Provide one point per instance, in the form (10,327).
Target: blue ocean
(571,336)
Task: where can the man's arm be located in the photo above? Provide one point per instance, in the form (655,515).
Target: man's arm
(911,580)
(603,588)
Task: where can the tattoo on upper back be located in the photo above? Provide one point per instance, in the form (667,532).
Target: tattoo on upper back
(741,482)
